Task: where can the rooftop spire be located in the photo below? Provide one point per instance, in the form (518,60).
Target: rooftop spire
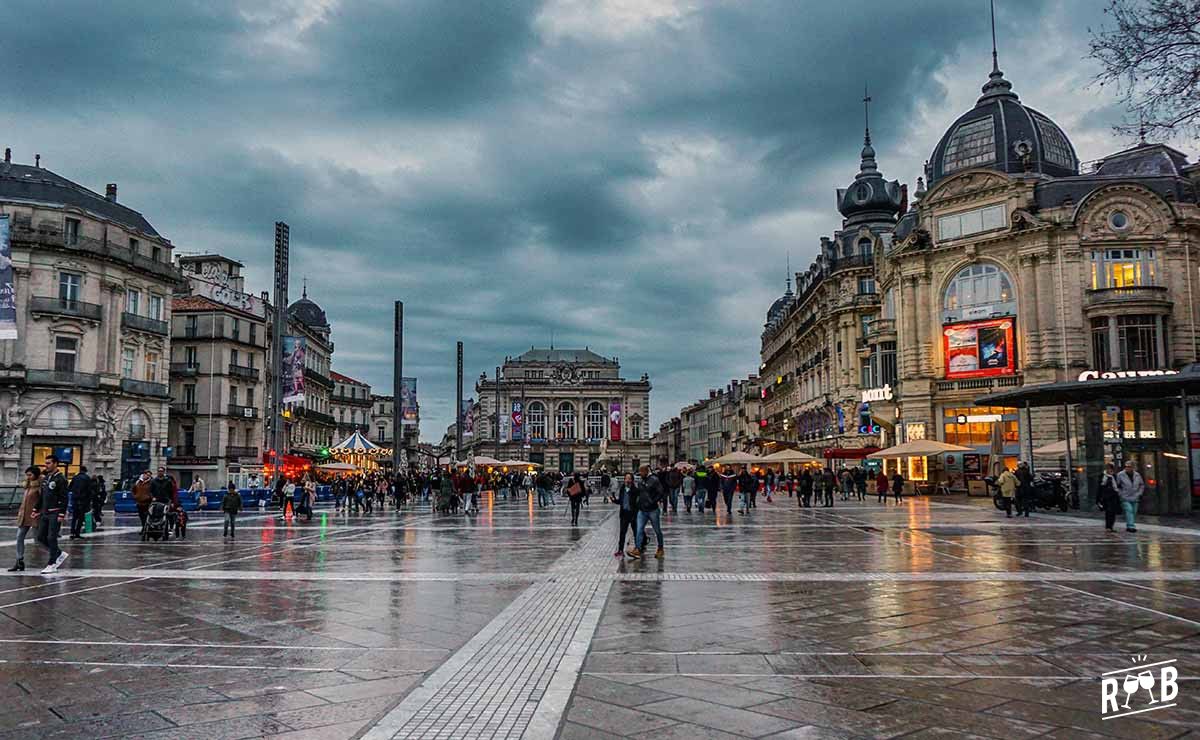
(996,85)
(866,116)
(868,167)
(789,274)
(304,288)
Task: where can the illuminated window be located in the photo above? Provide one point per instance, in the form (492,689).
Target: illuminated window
(971,144)
(564,421)
(152,366)
(1123,268)
(595,421)
(978,285)
(536,418)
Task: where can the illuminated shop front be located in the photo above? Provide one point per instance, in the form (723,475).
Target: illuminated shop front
(1151,418)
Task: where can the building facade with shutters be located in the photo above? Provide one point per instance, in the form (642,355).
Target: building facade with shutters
(218,374)
(83,367)
(570,409)
(310,425)
(351,406)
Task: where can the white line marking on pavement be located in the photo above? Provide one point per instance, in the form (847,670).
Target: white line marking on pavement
(221,646)
(927,676)
(1128,604)
(168,665)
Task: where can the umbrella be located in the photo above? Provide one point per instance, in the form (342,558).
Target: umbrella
(789,456)
(480,460)
(996,450)
(1054,449)
(338,467)
(917,448)
(519,464)
(737,458)
(681,465)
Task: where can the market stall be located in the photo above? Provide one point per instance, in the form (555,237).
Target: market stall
(360,452)
(920,450)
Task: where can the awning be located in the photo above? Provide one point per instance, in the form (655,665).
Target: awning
(917,448)
(737,458)
(1096,387)
(848,453)
(789,456)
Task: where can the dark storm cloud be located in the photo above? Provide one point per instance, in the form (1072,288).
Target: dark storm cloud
(624,175)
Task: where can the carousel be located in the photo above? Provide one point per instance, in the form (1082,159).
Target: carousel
(356,453)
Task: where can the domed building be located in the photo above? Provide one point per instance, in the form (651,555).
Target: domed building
(1015,267)
(313,425)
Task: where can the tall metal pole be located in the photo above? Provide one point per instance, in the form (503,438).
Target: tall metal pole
(458,423)
(279,327)
(497,412)
(397,384)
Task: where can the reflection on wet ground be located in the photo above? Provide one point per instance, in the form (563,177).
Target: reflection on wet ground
(929,618)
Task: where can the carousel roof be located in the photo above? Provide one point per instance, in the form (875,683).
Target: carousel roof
(355,443)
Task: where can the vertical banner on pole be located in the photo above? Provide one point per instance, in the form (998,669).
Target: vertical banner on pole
(294,350)
(614,421)
(8,294)
(518,421)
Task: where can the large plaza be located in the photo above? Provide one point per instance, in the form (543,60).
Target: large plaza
(936,617)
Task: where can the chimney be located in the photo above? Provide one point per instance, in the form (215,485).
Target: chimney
(7,155)
(37,161)
(110,192)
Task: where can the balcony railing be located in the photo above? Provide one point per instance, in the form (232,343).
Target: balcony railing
(204,329)
(317,378)
(350,400)
(881,326)
(185,368)
(186,408)
(65,307)
(316,416)
(60,377)
(857,260)
(53,237)
(233,451)
(144,388)
(979,384)
(1127,295)
(244,372)
(145,323)
(248,412)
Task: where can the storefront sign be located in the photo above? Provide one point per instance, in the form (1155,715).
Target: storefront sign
(877,394)
(979,349)
(978,418)
(216,285)
(978,312)
(914,430)
(1117,374)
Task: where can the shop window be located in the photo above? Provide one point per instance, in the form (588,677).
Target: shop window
(536,418)
(972,425)
(595,421)
(69,457)
(978,286)
(66,351)
(1123,268)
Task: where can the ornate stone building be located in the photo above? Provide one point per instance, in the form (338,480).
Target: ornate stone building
(310,425)
(1017,266)
(352,405)
(83,367)
(565,409)
(814,357)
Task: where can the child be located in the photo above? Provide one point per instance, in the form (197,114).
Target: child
(231,505)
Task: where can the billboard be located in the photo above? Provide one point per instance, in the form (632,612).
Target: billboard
(8,296)
(980,349)
(292,375)
(614,421)
(409,410)
(466,417)
(518,421)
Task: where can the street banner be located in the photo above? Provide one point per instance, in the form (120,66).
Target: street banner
(8,296)
(292,374)
(518,421)
(614,421)
(409,411)
(467,415)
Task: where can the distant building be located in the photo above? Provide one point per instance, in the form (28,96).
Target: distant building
(310,425)
(83,362)
(217,372)
(564,409)
(351,406)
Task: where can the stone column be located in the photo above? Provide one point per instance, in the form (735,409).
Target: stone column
(1114,345)
(14,353)
(1047,306)
(1160,344)
(907,344)
(1027,308)
(926,318)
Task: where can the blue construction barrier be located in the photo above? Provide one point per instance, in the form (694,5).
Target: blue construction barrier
(190,501)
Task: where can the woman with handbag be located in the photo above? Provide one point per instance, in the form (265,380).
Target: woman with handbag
(575,489)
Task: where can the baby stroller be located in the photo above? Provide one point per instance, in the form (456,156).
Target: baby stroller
(157,526)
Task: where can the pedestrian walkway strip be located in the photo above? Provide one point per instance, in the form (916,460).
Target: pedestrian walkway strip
(515,676)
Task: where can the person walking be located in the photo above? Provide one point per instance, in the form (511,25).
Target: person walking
(847,483)
(1130,487)
(747,483)
(50,510)
(1008,484)
(689,491)
(860,483)
(898,486)
(575,489)
(1108,497)
(674,480)
(828,484)
(728,486)
(142,496)
(99,499)
(230,506)
(805,494)
(25,517)
(626,499)
(712,485)
(289,498)
(1024,489)
(650,495)
(81,501)
(310,498)
(881,487)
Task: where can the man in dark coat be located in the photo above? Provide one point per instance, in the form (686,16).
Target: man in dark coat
(50,511)
(81,501)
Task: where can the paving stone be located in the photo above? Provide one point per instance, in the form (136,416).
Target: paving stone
(615,692)
(727,719)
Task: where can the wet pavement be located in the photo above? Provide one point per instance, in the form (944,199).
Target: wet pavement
(932,618)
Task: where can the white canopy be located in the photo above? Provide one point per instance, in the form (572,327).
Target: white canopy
(1054,449)
(480,460)
(789,456)
(338,467)
(737,458)
(917,448)
(519,464)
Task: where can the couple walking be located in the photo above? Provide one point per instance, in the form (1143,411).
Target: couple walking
(640,499)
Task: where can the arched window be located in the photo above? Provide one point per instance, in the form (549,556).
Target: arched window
(536,418)
(59,416)
(980,285)
(564,421)
(139,424)
(865,246)
(595,420)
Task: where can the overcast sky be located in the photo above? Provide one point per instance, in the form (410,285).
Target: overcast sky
(629,175)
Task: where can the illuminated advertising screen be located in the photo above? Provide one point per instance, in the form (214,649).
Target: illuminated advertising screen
(980,349)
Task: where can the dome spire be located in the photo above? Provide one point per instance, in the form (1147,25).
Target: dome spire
(789,274)
(996,86)
(868,166)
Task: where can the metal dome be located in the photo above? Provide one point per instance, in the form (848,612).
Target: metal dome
(308,313)
(1003,134)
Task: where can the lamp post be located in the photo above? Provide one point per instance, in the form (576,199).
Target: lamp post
(397,383)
